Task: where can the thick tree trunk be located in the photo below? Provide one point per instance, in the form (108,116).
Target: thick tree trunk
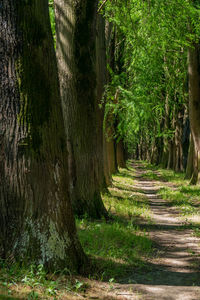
(194,105)
(76,54)
(36,220)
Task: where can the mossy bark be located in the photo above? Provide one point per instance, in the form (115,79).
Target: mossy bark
(36,220)
(76,55)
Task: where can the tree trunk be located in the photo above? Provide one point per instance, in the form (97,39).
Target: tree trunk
(121,162)
(186,138)
(36,220)
(190,160)
(107,173)
(194,106)
(170,157)
(76,54)
(165,153)
(105,178)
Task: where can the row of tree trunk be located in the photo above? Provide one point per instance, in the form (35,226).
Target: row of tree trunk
(179,151)
(54,157)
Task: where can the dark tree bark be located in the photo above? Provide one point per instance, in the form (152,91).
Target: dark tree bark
(104,176)
(36,220)
(194,106)
(190,160)
(121,161)
(76,54)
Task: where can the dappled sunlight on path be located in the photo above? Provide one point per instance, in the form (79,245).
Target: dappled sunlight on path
(175,270)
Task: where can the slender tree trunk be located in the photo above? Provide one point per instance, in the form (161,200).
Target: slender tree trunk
(107,173)
(194,106)
(190,160)
(36,220)
(165,153)
(76,54)
(121,162)
(170,157)
(186,138)
(105,177)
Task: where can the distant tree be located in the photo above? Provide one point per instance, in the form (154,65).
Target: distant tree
(36,220)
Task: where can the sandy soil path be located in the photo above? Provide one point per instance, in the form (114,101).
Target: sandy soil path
(175,273)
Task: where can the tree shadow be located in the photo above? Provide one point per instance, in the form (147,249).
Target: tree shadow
(4,297)
(143,273)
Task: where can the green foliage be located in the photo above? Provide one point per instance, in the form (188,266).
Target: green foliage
(156,36)
(52,19)
(33,282)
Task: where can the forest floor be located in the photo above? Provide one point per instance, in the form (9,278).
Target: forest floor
(149,250)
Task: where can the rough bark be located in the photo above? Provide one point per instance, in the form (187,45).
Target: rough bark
(76,55)
(194,105)
(36,220)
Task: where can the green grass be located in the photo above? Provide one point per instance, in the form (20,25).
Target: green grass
(184,201)
(119,245)
(116,247)
(33,282)
(163,174)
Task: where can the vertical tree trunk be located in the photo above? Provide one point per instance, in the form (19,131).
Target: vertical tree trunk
(76,54)
(105,178)
(165,153)
(121,162)
(190,160)
(194,106)
(36,220)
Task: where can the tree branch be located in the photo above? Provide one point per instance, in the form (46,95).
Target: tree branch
(102,5)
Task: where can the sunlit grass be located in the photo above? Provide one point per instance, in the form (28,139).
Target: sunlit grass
(116,247)
(157,173)
(118,244)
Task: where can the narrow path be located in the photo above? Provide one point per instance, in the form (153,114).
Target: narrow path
(175,272)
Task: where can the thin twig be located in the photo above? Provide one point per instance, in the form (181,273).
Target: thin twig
(102,5)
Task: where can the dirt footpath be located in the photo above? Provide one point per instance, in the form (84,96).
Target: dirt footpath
(175,272)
